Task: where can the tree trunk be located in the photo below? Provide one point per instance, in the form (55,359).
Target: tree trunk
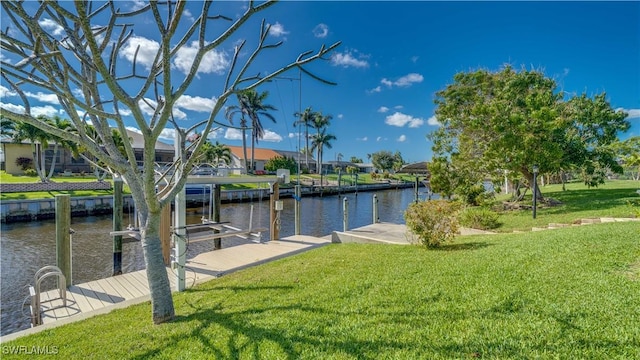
(244,147)
(253,146)
(161,299)
(306,150)
(53,161)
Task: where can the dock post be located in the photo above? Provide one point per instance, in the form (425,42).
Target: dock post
(376,218)
(274,231)
(63,237)
(416,188)
(117,225)
(297,204)
(179,222)
(345,214)
(217,201)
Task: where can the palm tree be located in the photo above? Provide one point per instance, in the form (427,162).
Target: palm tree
(305,119)
(320,122)
(38,139)
(7,127)
(319,141)
(216,153)
(58,142)
(251,105)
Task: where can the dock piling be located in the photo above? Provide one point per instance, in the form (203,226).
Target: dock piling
(63,237)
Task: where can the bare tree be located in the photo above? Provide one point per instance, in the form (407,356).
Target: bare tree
(81,64)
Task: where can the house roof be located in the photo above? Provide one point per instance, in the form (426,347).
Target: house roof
(260,153)
(415,168)
(138,142)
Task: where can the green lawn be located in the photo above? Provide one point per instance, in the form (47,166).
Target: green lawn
(561,294)
(614,199)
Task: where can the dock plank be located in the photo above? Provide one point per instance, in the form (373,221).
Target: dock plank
(127,282)
(141,279)
(114,294)
(100,293)
(119,289)
(80,298)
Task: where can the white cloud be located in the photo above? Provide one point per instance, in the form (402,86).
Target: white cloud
(5,59)
(48,98)
(212,62)
(270,136)
(233,134)
(404,81)
(386,82)
(362,139)
(216,133)
(380,138)
(168,134)
(340,116)
(398,107)
(187,14)
(138,4)
(414,59)
(47,110)
(6,92)
(277,30)
(409,79)
(347,59)
(383,109)
(376,89)
(53,27)
(399,119)
(196,103)
(146,53)
(433,121)
(148,108)
(134,129)
(321,31)
(402,138)
(631,113)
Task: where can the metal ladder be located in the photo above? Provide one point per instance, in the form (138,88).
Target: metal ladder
(34,291)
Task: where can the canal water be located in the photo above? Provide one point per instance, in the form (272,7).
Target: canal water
(27,247)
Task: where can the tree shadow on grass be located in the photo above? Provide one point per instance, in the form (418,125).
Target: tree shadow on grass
(462,246)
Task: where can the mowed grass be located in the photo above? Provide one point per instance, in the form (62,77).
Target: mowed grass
(562,294)
(616,198)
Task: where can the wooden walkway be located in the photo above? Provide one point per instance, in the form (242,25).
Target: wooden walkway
(104,295)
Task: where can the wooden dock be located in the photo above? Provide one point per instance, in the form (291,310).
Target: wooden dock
(101,296)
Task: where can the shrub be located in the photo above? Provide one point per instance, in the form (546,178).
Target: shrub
(24,162)
(479,218)
(434,221)
(374,175)
(31,172)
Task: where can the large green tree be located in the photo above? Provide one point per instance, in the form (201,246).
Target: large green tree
(629,154)
(386,160)
(102,71)
(512,120)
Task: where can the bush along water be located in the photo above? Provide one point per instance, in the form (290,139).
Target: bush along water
(434,221)
(479,218)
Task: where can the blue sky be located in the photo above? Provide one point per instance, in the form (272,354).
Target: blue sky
(395,55)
